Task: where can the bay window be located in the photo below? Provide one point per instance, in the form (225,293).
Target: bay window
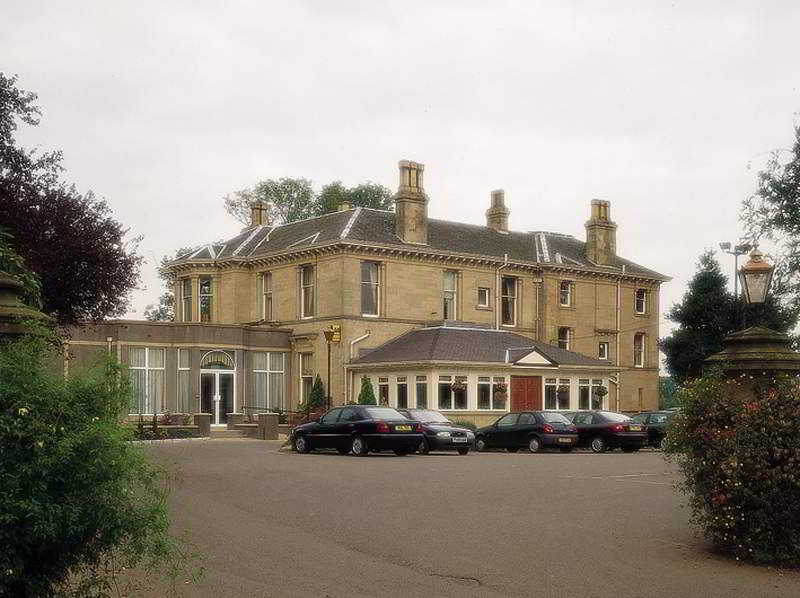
(206,298)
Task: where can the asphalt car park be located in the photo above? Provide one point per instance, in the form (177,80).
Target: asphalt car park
(272,523)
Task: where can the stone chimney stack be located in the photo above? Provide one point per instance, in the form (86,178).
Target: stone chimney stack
(259,215)
(411,204)
(497,214)
(601,234)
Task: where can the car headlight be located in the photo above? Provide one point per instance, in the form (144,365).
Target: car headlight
(443,434)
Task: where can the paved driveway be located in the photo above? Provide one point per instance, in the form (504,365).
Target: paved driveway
(496,524)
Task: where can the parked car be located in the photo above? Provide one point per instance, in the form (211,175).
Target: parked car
(358,429)
(533,430)
(607,430)
(440,434)
(655,423)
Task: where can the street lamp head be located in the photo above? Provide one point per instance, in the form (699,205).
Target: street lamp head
(725,246)
(743,248)
(756,276)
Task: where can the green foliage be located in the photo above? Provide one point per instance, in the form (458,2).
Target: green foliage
(667,393)
(773,213)
(707,313)
(316,398)
(11,263)
(366,395)
(77,502)
(81,255)
(465,424)
(289,200)
(739,451)
(164,312)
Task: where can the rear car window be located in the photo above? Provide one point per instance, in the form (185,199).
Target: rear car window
(553,418)
(383,413)
(609,416)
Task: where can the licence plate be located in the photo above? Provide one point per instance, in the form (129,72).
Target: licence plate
(635,428)
(565,440)
(459,439)
(402,428)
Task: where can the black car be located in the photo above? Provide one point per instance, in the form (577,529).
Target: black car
(655,423)
(530,429)
(440,434)
(359,429)
(607,430)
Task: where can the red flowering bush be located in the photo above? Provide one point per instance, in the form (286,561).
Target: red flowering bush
(738,444)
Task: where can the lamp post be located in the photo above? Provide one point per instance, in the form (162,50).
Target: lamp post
(333,334)
(756,276)
(736,251)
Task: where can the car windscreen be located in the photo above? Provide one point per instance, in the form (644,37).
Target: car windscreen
(614,417)
(428,416)
(383,413)
(554,418)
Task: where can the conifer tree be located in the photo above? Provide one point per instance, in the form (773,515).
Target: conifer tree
(366,396)
(316,398)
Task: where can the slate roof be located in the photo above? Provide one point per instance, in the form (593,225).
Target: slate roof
(464,344)
(377,227)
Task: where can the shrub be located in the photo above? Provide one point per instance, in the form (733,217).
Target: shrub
(737,443)
(77,502)
(316,398)
(366,395)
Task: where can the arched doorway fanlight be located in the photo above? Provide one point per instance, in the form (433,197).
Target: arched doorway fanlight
(217,360)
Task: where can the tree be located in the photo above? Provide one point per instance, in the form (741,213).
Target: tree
(78,502)
(707,313)
(366,396)
(773,213)
(86,265)
(365,195)
(165,310)
(316,398)
(289,199)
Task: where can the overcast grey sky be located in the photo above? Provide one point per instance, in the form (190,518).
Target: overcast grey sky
(666,109)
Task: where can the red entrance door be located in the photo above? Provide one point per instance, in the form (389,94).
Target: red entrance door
(526,393)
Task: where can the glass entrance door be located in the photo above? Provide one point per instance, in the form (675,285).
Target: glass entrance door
(216,395)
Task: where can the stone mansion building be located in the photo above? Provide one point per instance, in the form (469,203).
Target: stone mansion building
(473,320)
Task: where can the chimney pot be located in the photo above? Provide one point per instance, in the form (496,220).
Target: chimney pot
(497,214)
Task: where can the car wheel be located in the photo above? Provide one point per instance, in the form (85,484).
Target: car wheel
(663,444)
(464,451)
(598,445)
(565,449)
(400,452)
(534,444)
(480,444)
(424,447)
(358,447)
(302,444)
(512,449)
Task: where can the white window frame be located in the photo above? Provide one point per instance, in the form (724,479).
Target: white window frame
(269,371)
(147,369)
(200,297)
(178,378)
(421,381)
(307,288)
(453,294)
(639,354)
(266,297)
(643,300)
(184,298)
(383,382)
(602,350)
(401,381)
(302,357)
(376,284)
(568,341)
(487,302)
(513,299)
(565,286)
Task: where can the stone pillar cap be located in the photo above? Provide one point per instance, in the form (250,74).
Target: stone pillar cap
(756,348)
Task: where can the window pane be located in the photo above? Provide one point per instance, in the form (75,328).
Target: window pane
(156,358)
(136,357)
(383,394)
(306,364)
(308,275)
(445,398)
(550,397)
(499,398)
(563,397)
(260,391)
(276,362)
(276,391)
(267,282)
(184,400)
(422,395)
(155,391)
(583,397)
(138,379)
(259,360)
(484,396)
(205,285)
(205,309)
(450,281)
(402,396)
(183,358)
(369,299)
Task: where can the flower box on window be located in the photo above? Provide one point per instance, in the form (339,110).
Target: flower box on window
(500,388)
(458,386)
